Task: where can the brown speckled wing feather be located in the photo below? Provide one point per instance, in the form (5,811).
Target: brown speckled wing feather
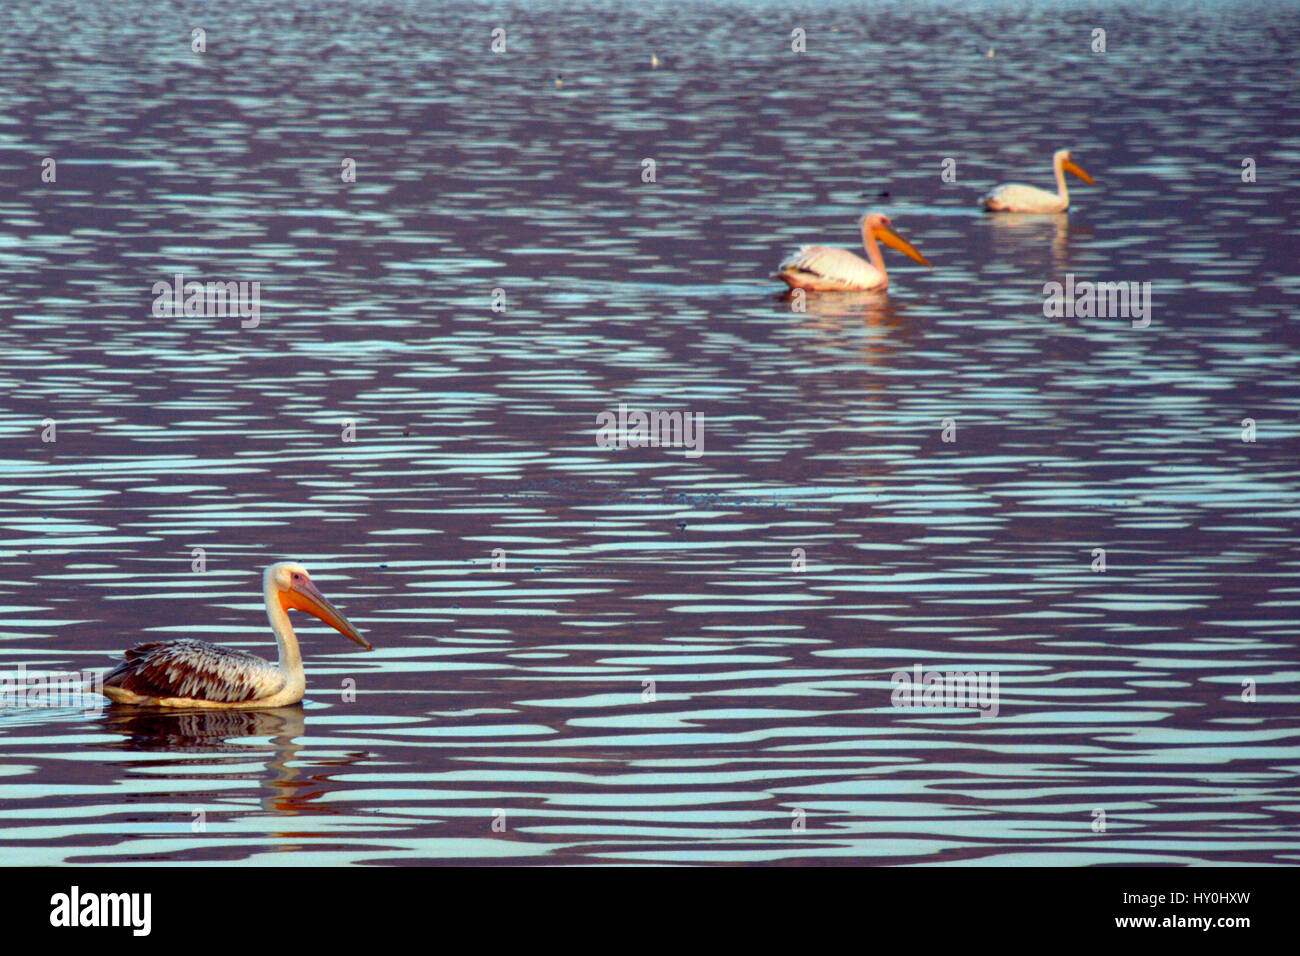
(197,670)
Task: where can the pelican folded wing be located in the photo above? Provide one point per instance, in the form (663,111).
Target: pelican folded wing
(196,670)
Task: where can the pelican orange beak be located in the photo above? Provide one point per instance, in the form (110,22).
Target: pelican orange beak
(895,241)
(1070,166)
(304,596)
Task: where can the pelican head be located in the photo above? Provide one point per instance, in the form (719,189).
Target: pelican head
(290,582)
(878,225)
(1062,159)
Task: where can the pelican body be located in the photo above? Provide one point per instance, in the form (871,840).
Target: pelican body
(189,673)
(1017,197)
(823,269)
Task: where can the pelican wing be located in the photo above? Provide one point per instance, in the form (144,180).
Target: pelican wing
(196,670)
(833,268)
(1017,197)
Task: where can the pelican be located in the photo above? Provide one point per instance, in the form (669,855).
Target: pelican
(819,268)
(1016,197)
(190,673)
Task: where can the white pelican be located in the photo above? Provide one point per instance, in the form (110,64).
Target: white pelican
(190,673)
(1016,197)
(823,269)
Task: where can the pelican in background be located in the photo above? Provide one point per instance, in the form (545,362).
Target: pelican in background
(822,269)
(1016,197)
(189,673)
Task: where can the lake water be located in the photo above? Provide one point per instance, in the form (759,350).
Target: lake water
(652,677)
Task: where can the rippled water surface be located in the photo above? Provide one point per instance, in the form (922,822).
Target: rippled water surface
(650,678)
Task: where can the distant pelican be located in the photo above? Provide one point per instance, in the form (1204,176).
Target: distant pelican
(1015,197)
(822,269)
(190,673)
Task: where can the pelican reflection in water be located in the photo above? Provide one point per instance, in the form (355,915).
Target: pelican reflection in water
(205,731)
(233,737)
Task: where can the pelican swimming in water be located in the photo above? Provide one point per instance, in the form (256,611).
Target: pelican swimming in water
(1016,197)
(189,673)
(822,269)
